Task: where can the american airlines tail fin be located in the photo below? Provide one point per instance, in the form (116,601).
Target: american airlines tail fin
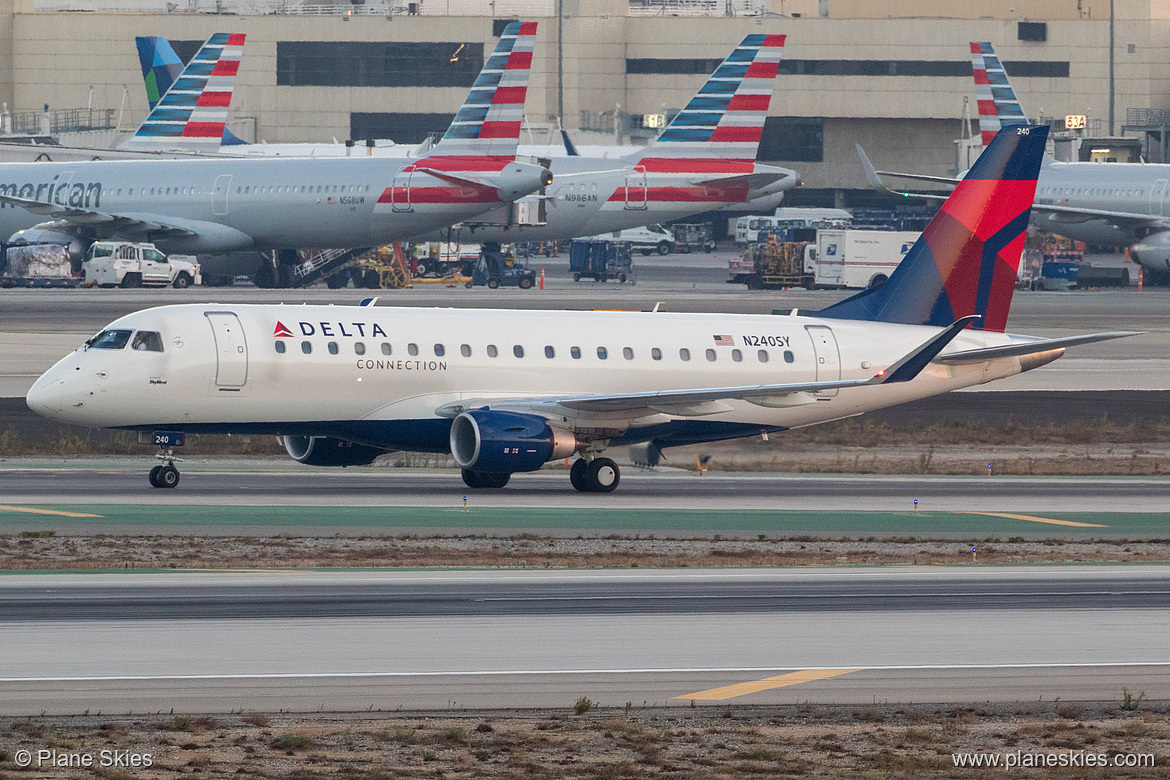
(190,112)
(966,260)
(725,119)
(488,123)
(998,105)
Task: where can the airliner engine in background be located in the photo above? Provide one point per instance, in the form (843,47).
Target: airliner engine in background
(1108,204)
(508,391)
(218,206)
(704,160)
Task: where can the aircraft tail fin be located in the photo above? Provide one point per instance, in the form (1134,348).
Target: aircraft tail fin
(966,260)
(998,105)
(191,115)
(725,119)
(160,66)
(488,123)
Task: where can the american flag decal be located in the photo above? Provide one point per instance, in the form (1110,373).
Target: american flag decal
(725,341)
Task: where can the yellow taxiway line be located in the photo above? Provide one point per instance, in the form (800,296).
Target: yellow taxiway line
(755,686)
(32,511)
(1032,519)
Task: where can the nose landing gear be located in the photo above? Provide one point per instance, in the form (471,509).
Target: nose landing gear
(600,475)
(165,475)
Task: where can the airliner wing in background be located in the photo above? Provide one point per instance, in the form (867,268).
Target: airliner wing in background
(1124,220)
(154,223)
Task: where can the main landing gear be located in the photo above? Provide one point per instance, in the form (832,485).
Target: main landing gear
(165,475)
(600,475)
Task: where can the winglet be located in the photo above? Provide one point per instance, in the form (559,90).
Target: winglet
(570,150)
(911,366)
(871,174)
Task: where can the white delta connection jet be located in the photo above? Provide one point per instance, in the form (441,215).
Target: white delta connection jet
(508,391)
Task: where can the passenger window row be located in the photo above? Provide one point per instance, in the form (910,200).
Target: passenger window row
(550,352)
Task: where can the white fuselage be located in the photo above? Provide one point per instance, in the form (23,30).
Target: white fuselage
(377,375)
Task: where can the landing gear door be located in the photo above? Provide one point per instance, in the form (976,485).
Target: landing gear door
(828,357)
(400,191)
(636,189)
(219,197)
(231,352)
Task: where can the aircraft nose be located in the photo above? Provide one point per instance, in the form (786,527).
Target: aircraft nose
(47,397)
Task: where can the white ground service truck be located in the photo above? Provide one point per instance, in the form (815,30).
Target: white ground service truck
(126,264)
(857,258)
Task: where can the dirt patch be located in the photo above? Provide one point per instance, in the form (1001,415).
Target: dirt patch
(41,550)
(807,740)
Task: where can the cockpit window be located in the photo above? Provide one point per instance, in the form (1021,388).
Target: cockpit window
(148,341)
(110,339)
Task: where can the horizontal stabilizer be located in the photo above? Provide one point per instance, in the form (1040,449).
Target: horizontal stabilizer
(1028,348)
(753,181)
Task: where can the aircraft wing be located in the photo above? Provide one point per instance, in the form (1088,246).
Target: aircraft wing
(1027,348)
(705,400)
(82,217)
(874,177)
(1121,219)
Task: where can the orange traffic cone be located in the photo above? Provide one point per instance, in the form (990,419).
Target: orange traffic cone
(542,277)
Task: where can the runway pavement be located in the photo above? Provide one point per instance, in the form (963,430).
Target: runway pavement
(352,641)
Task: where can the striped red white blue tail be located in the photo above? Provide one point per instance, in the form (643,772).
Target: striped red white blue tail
(725,120)
(998,105)
(192,115)
(488,124)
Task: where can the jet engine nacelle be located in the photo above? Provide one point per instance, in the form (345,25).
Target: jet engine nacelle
(518,179)
(1153,251)
(507,442)
(36,235)
(327,451)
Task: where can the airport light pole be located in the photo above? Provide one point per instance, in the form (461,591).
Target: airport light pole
(1111,58)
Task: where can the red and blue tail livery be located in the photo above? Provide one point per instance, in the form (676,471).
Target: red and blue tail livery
(998,105)
(488,123)
(192,114)
(725,120)
(966,260)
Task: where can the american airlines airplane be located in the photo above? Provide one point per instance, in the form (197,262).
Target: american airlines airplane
(218,206)
(508,391)
(704,160)
(1110,204)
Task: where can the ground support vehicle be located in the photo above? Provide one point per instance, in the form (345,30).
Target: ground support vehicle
(602,260)
(127,264)
(37,265)
(858,258)
(692,237)
(495,269)
(773,265)
(442,259)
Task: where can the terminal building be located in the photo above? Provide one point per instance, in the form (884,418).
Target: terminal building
(894,76)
